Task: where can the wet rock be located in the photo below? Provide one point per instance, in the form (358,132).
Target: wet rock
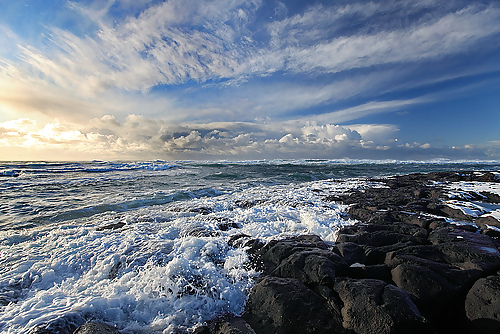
(373,306)
(490,197)
(433,287)
(466,249)
(311,266)
(355,253)
(201,210)
(114,226)
(238,240)
(93,327)
(494,233)
(247,204)
(224,226)
(287,306)
(199,231)
(379,271)
(233,325)
(268,257)
(482,305)
(457,214)
(63,325)
(485,221)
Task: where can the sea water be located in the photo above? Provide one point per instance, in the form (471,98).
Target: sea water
(143,246)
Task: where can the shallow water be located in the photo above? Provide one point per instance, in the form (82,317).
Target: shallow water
(168,267)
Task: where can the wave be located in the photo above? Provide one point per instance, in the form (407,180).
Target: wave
(27,168)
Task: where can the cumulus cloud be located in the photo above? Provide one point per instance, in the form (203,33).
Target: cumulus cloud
(141,138)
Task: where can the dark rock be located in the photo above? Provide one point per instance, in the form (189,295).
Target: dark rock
(373,306)
(367,255)
(247,204)
(201,210)
(492,233)
(490,197)
(466,249)
(482,222)
(238,240)
(286,306)
(63,325)
(114,226)
(311,266)
(224,226)
(482,305)
(432,290)
(198,231)
(457,214)
(233,325)
(202,330)
(378,271)
(268,257)
(412,218)
(93,327)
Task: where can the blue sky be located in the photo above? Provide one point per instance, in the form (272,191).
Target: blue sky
(234,79)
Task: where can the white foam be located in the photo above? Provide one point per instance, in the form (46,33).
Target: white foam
(152,275)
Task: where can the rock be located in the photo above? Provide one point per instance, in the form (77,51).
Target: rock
(238,240)
(485,221)
(378,271)
(268,257)
(492,233)
(93,327)
(482,305)
(311,266)
(354,253)
(491,197)
(63,325)
(198,231)
(373,306)
(201,210)
(457,214)
(114,226)
(286,306)
(465,249)
(224,226)
(432,290)
(233,325)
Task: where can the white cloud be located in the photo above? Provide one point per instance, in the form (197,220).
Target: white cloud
(451,34)
(177,41)
(141,138)
(375,132)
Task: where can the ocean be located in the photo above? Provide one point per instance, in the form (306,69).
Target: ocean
(145,246)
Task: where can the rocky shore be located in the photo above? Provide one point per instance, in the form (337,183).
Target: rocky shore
(411,265)
(414,263)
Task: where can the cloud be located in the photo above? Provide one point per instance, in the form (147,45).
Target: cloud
(178,41)
(186,65)
(141,138)
(454,33)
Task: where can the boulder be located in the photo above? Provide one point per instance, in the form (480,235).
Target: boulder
(465,249)
(93,327)
(311,266)
(482,305)
(287,306)
(372,306)
(485,221)
(268,257)
(63,325)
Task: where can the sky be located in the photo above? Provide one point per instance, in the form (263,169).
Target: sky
(246,80)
